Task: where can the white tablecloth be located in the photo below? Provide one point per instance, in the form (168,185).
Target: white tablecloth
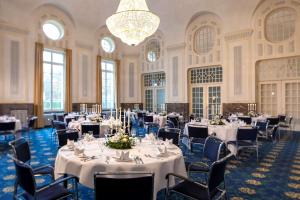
(67,162)
(18,125)
(226,133)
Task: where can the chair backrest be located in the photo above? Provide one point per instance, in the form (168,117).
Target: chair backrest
(7,126)
(217,174)
(58,125)
(247,133)
(95,128)
(169,133)
(169,124)
(281,118)
(60,117)
(124,185)
(140,115)
(262,125)
(21,149)
(175,120)
(290,120)
(148,118)
(273,120)
(68,119)
(198,131)
(212,148)
(274,130)
(25,177)
(64,136)
(247,120)
(31,121)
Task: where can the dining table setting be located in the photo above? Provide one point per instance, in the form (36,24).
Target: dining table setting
(7,119)
(89,155)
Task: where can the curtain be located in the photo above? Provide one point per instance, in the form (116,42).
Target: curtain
(98,81)
(118,83)
(68,93)
(38,85)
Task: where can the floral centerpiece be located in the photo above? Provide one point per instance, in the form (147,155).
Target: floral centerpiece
(217,121)
(251,114)
(120,141)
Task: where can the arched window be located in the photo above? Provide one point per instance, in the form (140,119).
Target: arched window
(153,50)
(280,24)
(53,29)
(108,45)
(204,39)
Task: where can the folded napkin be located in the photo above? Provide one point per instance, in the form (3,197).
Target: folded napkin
(162,150)
(169,142)
(150,137)
(123,156)
(78,150)
(70,143)
(88,137)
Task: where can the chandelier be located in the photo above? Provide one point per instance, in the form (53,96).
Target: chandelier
(133,22)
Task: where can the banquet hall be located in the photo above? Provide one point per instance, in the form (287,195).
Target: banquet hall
(150,99)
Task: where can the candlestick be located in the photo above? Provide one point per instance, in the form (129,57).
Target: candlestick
(129,123)
(120,114)
(116,113)
(124,120)
(110,113)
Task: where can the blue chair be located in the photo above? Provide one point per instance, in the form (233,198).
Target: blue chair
(21,151)
(94,128)
(246,138)
(197,135)
(175,121)
(212,150)
(169,124)
(262,127)
(124,185)
(7,128)
(26,180)
(170,133)
(215,187)
(274,133)
(65,135)
(246,119)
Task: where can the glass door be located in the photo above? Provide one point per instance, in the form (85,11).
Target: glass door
(269,98)
(149,99)
(206,101)
(292,99)
(160,100)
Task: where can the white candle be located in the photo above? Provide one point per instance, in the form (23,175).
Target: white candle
(100,109)
(120,114)
(110,113)
(116,113)
(124,119)
(128,122)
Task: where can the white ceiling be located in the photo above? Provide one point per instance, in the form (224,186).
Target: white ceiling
(174,14)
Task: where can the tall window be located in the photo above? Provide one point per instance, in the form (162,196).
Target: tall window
(54,80)
(108,84)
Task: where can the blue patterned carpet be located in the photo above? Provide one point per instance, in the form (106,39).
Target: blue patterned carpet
(275,176)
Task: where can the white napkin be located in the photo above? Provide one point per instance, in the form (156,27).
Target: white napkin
(150,137)
(169,142)
(70,143)
(78,150)
(162,151)
(89,137)
(123,156)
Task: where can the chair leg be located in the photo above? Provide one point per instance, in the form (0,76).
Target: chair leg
(15,189)
(257,153)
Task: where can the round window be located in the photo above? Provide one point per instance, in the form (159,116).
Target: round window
(204,39)
(280,24)
(53,30)
(108,45)
(153,50)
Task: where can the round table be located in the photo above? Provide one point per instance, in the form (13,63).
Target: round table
(69,163)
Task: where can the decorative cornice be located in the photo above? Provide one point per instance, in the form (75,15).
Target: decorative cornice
(242,34)
(176,46)
(7,27)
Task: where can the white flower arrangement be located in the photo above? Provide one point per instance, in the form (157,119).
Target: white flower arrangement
(120,141)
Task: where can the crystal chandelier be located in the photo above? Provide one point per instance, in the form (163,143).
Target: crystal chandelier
(133,22)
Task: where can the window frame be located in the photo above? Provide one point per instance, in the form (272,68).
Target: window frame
(51,63)
(114,82)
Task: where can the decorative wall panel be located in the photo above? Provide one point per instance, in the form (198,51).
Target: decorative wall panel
(131,80)
(238,70)
(14,68)
(175,76)
(84,75)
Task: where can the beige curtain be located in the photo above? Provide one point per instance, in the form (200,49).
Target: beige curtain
(38,85)
(98,81)
(68,94)
(118,83)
